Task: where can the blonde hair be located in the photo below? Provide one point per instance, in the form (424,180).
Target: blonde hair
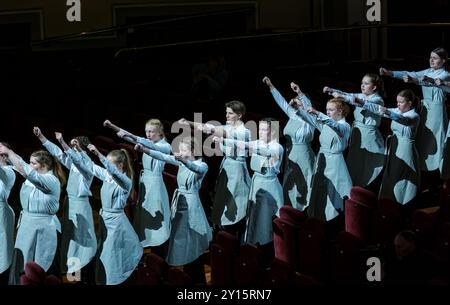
(340,105)
(158,124)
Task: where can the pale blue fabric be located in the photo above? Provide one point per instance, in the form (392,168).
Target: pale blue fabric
(233,181)
(120,248)
(401,178)
(36,238)
(152,217)
(331,180)
(7,218)
(78,240)
(191,233)
(266,192)
(365,157)
(299,158)
(432,128)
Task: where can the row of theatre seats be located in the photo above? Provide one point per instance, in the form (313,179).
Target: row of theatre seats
(306,254)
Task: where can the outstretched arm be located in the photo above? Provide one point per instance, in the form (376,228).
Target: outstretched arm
(122,133)
(119,177)
(340,129)
(210,129)
(13,158)
(45,183)
(199,169)
(407,76)
(289,108)
(157,154)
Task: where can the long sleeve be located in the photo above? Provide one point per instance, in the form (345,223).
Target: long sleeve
(162,157)
(372,107)
(279,99)
(340,129)
(401,119)
(3,176)
(99,172)
(83,166)
(310,119)
(43,182)
(348,97)
(166,149)
(55,151)
(7,179)
(198,168)
(120,178)
(265,150)
(442,87)
(417,75)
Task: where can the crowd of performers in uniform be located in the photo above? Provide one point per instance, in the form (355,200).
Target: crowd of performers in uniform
(180,231)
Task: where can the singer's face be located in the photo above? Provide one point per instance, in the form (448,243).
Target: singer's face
(152,132)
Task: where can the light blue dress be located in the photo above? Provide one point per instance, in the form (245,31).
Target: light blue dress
(366,150)
(7,218)
(299,158)
(120,250)
(78,232)
(152,218)
(331,181)
(266,192)
(191,233)
(433,119)
(401,177)
(445,163)
(233,182)
(36,238)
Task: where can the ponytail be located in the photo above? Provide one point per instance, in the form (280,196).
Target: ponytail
(59,172)
(123,157)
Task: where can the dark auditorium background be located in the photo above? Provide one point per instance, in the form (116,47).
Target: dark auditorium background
(131,60)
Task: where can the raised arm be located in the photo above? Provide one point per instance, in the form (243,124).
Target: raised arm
(438,83)
(400,118)
(85,168)
(52,148)
(407,76)
(308,117)
(205,128)
(287,108)
(13,158)
(354,99)
(122,133)
(199,169)
(43,182)
(159,146)
(157,154)
(120,178)
(340,129)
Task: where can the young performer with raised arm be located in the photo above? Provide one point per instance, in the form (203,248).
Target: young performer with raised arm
(152,218)
(401,177)
(78,242)
(7,218)
(120,250)
(190,232)
(299,158)
(366,149)
(36,238)
(433,116)
(331,180)
(266,193)
(233,182)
